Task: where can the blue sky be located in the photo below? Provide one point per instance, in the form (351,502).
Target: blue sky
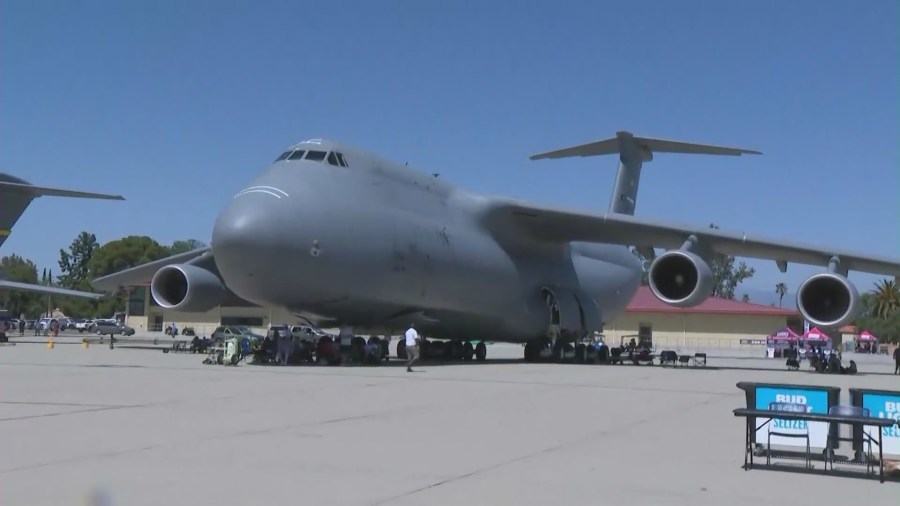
(176,105)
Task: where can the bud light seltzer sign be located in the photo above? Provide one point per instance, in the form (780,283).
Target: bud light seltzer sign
(884,406)
(793,400)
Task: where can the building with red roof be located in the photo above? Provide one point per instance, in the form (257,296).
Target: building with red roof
(714,323)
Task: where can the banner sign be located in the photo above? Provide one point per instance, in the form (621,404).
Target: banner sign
(884,405)
(793,399)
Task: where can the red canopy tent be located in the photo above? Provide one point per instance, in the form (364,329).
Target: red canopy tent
(785,334)
(815,335)
(866,336)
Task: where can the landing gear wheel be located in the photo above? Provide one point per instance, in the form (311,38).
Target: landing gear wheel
(562,352)
(439,350)
(357,349)
(456,350)
(580,354)
(468,351)
(532,351)
(481,351)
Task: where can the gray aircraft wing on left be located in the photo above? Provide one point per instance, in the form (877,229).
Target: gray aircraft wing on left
(15,196)
(49,290)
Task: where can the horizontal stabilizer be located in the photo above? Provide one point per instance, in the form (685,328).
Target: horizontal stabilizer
(38,191)
(647,146)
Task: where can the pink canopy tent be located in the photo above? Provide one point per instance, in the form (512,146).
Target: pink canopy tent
(785,334)
(815,335)
(866,336)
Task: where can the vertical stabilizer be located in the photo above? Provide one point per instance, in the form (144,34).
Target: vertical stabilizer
(631,159)
(633,152)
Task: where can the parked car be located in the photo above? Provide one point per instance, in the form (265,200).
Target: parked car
(223,332)
(85,325)
(308,332)
(112,327)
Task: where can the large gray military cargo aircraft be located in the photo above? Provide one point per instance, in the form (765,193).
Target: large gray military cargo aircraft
(345,238)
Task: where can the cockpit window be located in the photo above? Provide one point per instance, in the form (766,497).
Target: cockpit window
(316,156)
(333,159)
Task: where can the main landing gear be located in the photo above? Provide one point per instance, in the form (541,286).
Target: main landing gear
(562,351)
(447,351)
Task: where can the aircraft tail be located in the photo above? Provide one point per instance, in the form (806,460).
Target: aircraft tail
(633,151)
(16,195)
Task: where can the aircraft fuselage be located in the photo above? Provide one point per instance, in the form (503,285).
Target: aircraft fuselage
(377,245)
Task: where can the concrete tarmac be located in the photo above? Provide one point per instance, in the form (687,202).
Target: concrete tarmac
(146,428)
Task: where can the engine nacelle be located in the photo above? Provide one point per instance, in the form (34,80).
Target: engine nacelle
(680,278)
(828,300)
(187,288)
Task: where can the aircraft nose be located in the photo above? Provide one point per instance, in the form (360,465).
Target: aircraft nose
(246,236)
(242,224)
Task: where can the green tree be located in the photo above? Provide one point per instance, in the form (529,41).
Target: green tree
(885,326)
(745,298)
(781,290)
(125,253)
(16,268)
(185,246)
(74,263)
(119,255)
(886,298)
(726,275)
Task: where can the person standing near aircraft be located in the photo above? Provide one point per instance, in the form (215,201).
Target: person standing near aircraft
(285,342)
(412,346)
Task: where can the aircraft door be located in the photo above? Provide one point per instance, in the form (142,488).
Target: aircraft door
(565,310)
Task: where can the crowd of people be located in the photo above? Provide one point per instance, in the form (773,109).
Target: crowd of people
(819,360)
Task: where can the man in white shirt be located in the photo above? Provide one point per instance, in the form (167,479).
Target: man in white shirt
(412,346)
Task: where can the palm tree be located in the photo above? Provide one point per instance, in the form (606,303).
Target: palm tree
(887,298)
(745,298)
(781,290)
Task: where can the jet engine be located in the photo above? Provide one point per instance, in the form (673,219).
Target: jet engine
(828,299)
(187,288)
(680,278)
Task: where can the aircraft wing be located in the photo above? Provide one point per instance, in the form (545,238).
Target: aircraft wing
(38,191)
(49,290)
(558,225)
(143,273)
